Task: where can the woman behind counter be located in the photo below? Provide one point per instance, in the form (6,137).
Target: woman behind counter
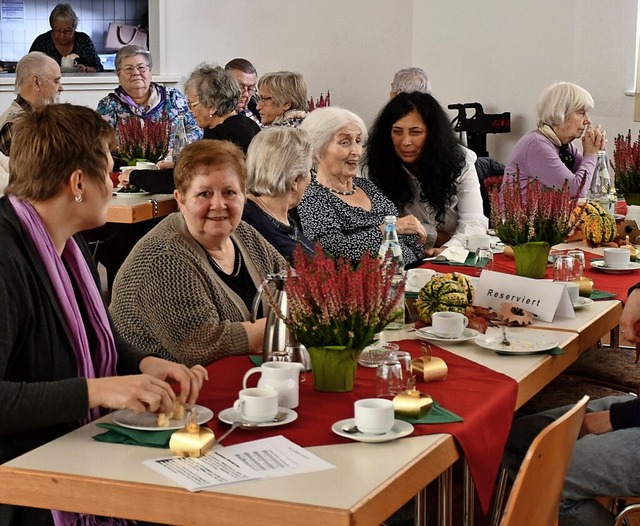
(186,289)
(59,354)
(341,211)
(414,157)
(279,170)
(547,153)
(63,40)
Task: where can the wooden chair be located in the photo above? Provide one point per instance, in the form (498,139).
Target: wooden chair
(535,496)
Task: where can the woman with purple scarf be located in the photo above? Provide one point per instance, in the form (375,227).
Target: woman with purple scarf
(59,355)
(137,95)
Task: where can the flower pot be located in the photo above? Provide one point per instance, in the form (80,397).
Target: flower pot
(632,199)
(334,368)
(531,258)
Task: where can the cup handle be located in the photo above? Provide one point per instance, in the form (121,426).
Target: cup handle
(465,321)
(238,405)
(249,373)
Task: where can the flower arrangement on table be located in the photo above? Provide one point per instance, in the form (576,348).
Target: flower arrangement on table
(321,103)
(626,167)
(532,218)
(143,139)
(335,309)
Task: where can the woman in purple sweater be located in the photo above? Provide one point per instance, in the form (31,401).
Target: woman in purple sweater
(547,153)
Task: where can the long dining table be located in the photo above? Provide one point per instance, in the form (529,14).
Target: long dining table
(369,482)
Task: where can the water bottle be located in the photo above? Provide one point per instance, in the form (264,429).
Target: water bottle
(180,139)
(391,252)
(601,187)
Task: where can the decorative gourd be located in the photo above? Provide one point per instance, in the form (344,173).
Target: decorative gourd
(597,226)
(450,292)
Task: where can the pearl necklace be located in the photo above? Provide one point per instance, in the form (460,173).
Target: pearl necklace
(237,261)
(267,209)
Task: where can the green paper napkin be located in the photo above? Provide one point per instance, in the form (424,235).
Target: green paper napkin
(555,351)
(469,262)
(116,434)
(256,359)
(601,295)
(437,415)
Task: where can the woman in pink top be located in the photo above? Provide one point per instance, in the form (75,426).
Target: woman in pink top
(547,153)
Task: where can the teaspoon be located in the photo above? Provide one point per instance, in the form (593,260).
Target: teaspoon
(350,429)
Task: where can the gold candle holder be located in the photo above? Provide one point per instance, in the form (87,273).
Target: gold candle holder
(585,286)
(192,440)
(412,403)
(429,368)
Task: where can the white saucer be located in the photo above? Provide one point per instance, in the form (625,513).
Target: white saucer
(400,429)
(582,302)
(599,264)
(229,416)
(148,421)
(426,333)
(519,345)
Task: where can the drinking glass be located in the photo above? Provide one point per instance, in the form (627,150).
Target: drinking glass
(405,364)
(484,260)
(578,255)
(565,268)
(389,378)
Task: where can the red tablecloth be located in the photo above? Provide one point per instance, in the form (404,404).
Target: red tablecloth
(485,399)
(615,283)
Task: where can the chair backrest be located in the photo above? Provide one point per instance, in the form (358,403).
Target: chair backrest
(535,496)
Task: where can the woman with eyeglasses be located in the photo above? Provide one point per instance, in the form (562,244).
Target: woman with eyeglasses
(282,99)
(137,95)
(63,40)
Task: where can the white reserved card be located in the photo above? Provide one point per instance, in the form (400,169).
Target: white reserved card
(545,299)
(259,459)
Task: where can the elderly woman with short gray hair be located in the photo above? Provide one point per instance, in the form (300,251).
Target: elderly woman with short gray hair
(279,170)
(63,40)
(138,96)
(547,153)
(213,96)
(282,99)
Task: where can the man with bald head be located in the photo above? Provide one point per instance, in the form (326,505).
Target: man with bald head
(38,83)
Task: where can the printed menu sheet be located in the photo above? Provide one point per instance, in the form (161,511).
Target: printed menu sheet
(260,459)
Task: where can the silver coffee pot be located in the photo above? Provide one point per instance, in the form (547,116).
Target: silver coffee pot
(278,338)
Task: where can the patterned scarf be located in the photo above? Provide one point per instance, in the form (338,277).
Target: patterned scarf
(155,103)
(62,280)
(567,158)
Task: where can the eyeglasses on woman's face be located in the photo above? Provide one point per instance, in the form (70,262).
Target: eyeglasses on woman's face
(193,104)
(264,100)
(66,31)
(131,70)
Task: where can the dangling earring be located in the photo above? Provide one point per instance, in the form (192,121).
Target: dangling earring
(79,198)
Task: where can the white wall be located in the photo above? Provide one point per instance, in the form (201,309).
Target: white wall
(503,53)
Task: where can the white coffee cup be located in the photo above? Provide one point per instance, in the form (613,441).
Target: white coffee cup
(478,241)
(257,404)
(374,416)
(144,165)
(419,277)
(616,257)
(573,288)
(448,324)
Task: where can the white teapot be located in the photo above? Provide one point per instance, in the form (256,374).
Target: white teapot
(283,377)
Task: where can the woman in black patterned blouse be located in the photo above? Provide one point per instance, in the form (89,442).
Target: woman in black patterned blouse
(63,40)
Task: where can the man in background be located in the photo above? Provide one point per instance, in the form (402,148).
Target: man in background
(243,71)
(408,80)
(38,83)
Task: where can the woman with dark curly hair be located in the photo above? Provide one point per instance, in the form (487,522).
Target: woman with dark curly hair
(414,157)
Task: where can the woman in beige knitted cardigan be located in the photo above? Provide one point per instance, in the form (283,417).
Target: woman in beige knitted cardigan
(185,290)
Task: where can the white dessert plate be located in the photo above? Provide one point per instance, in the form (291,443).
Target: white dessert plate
(148,421)
(130,194)
(519,344)
(230,416)
(582,302)
(400,429)
(599,264)
(426,333)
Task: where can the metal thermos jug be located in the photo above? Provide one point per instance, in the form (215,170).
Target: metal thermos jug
(277,336)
